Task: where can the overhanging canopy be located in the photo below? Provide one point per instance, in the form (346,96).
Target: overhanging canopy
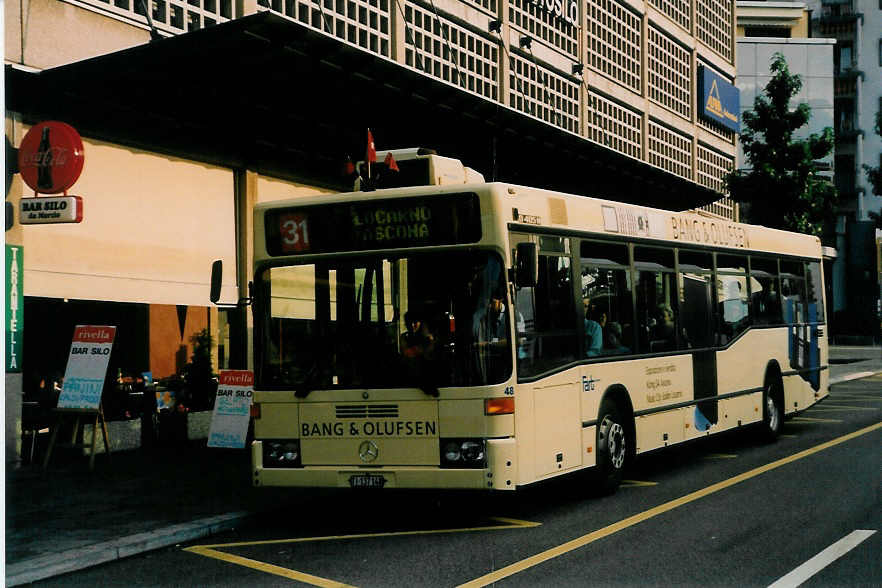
(272,95)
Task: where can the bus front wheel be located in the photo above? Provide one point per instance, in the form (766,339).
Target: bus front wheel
(612,448)
(773,410)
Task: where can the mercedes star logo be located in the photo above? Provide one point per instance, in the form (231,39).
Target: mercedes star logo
(368,451)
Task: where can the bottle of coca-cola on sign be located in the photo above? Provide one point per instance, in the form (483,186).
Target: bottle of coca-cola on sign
(44,162)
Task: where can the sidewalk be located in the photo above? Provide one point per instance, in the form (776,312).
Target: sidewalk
(851,363)
(69,518)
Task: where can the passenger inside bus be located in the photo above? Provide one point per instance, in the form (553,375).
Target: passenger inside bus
(595,319)
(418,354)
(663,333)
(489,324)
(612,342)
(417,341)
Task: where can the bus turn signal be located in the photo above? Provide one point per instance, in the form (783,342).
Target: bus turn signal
(503,405)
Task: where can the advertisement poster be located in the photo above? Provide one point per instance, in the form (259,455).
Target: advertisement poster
(86,367)
(232,408)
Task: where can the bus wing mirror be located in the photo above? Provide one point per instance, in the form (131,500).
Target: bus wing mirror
(526,265)
(217,274)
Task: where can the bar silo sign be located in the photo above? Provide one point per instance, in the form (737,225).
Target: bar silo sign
(720,101)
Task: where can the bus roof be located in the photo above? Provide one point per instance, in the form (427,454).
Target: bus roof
(538,209)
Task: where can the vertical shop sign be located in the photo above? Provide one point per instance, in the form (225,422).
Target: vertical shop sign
(232,408)
(86,367)
(14,308)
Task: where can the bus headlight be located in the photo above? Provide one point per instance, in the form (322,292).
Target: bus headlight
(281,454)
(463,453)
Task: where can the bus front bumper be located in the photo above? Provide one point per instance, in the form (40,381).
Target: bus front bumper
(342,476)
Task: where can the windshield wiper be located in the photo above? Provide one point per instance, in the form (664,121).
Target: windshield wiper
(303,389)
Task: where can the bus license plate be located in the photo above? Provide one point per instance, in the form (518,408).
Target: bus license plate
(367,481)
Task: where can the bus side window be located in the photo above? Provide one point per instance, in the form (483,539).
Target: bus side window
(815,292)
(696,288)
(606,298)
(793,292)
(549,317)
(656,299)
(732,297)
(765,291)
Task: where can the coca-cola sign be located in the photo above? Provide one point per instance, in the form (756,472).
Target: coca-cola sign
(50,157)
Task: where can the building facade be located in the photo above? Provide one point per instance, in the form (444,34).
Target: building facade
(203,127)
(857,27)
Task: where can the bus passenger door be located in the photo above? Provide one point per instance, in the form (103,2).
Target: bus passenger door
(550,341)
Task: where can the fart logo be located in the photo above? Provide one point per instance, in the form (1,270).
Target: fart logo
(588,383)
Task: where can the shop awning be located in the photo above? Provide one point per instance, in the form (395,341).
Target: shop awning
(272,95)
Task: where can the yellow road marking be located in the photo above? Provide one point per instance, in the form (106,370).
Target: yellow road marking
(720,456)
(212,552)
(636,483)
(265,567)
(788,436)
(508,524)
(812,420)
(653,512)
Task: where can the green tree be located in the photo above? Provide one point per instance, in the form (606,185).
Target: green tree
(782,187)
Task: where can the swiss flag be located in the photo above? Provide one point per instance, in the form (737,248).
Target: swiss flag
(371,154)
(390,162)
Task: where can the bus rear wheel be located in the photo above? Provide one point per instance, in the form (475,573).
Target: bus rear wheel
(612,448)
(773,411)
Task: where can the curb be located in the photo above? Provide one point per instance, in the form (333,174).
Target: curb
(47,566)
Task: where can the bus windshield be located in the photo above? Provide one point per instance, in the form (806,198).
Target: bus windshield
(420,320)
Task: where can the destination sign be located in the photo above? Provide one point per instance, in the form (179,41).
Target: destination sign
(376,224)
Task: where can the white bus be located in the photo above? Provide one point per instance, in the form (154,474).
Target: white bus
(549,333)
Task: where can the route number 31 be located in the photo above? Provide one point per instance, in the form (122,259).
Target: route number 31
(294,232)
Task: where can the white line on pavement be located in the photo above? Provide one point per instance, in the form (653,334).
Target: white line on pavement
(823,559)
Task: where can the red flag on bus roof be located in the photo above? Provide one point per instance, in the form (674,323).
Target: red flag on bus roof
(371,155)
(390,162)
(348,168)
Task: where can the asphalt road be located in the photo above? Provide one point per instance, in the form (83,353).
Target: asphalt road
(726,511)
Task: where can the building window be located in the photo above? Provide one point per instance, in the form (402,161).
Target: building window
(614,126)
(670,73)
(615,38)
(540,92)
(779,32)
